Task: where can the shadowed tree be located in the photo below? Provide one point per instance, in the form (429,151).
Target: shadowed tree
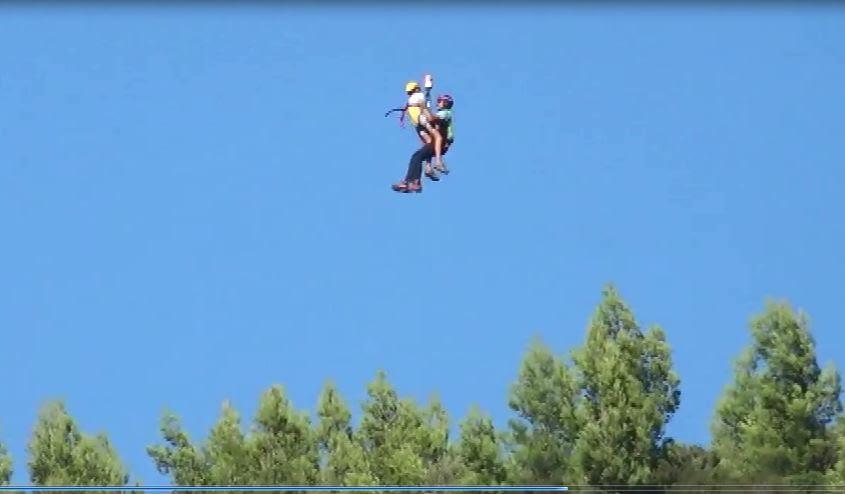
(836,475)
(687,464)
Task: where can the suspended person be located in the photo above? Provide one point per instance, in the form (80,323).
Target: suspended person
(439,146)
(438,143)
(444,126)
(417,109)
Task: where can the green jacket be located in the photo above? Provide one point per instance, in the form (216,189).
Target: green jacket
(445,116)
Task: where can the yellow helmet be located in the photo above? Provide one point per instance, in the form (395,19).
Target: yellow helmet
(411,86)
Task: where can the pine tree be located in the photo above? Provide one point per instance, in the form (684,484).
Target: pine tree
(226,452)
(283,445)
(772,422)
(281,448)
(480,451)
(391,436)
(178,457)
(628,394)
(836,475)
(543,434)
(5,465)
(344,459)
(60,454)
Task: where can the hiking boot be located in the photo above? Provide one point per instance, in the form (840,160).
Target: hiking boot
(432,175)
(414,186)
(400,187)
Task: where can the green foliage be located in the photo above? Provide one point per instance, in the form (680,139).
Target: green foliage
(5,465)
(836,475)
(628,394)
(62,455)
(281,448)
(179,458)
(227,452)
(393,436)
(448,470)
(223,460)
(772,421)
(480,451)
(601,421)
(283,445)
(434,438)
(344,460)
(598,418)
(405,444)
(687,465)
(542,436)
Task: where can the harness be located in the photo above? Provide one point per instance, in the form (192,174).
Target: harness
(404,109)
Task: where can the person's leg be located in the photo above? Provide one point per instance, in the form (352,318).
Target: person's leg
(414,178)
(438,148)
(415,165)
(428,134)
(443,169)
(423,134)
(433,138)
(425,139)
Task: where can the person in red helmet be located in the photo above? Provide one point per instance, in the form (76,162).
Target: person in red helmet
(444,126)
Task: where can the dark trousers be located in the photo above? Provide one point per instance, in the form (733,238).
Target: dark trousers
(424,153)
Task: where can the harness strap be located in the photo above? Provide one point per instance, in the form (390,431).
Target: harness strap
(403,110)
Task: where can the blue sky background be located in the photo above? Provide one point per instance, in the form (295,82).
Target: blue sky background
(195,200)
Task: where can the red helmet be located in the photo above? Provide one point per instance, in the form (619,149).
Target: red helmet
(446,99)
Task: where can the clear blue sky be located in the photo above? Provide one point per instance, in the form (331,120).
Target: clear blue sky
(195,200)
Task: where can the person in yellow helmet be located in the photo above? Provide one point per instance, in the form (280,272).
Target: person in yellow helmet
(417,109)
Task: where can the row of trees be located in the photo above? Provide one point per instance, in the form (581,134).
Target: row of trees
(597,416)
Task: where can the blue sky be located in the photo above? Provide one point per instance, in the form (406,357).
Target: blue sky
(195,200)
